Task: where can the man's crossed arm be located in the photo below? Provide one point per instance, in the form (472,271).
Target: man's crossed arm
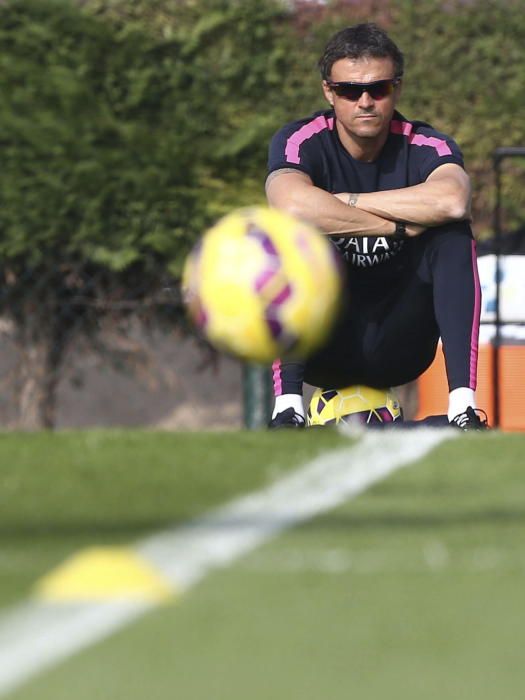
(444,197)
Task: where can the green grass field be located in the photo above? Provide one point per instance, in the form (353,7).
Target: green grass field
(414,589)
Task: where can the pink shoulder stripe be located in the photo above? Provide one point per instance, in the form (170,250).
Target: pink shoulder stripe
(306,132)
(405,129)
(397,127)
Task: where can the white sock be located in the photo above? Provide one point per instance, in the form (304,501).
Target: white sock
(459,400)
(284,401)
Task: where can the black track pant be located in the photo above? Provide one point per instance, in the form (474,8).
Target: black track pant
(388,332)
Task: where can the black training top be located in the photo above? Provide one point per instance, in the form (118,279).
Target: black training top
(412,151)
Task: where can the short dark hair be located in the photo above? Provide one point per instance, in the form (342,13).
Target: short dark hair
(365,40)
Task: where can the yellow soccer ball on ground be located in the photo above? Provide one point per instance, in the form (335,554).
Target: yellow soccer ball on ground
(352,405)
(261,284)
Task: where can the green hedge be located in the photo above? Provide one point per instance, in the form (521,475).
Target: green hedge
(128,126)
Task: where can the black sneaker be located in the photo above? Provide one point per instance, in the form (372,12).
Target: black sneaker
(470,420)
(287,419)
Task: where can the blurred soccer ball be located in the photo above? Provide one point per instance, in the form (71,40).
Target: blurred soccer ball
(360,405)
(260,284)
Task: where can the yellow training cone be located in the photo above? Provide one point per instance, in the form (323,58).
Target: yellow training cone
(103,573)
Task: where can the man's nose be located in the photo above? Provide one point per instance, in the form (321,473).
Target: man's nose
(365,101)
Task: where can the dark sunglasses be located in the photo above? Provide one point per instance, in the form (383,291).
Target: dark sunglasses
(353,91)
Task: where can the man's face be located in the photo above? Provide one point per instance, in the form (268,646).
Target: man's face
(365,117)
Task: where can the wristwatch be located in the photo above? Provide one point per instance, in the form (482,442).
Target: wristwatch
(401,230)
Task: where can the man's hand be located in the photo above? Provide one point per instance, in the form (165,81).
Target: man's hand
(293,191)
(414,230)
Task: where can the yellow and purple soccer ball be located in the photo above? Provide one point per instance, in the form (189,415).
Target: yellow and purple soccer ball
(353,405)
(261,284)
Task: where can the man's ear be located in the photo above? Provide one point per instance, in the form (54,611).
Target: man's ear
(398,90)
(329,95)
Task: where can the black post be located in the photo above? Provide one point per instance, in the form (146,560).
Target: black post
(499,155)
(257,396)
(496,341)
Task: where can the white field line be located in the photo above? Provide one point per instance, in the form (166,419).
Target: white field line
(36,635)
(433,557)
